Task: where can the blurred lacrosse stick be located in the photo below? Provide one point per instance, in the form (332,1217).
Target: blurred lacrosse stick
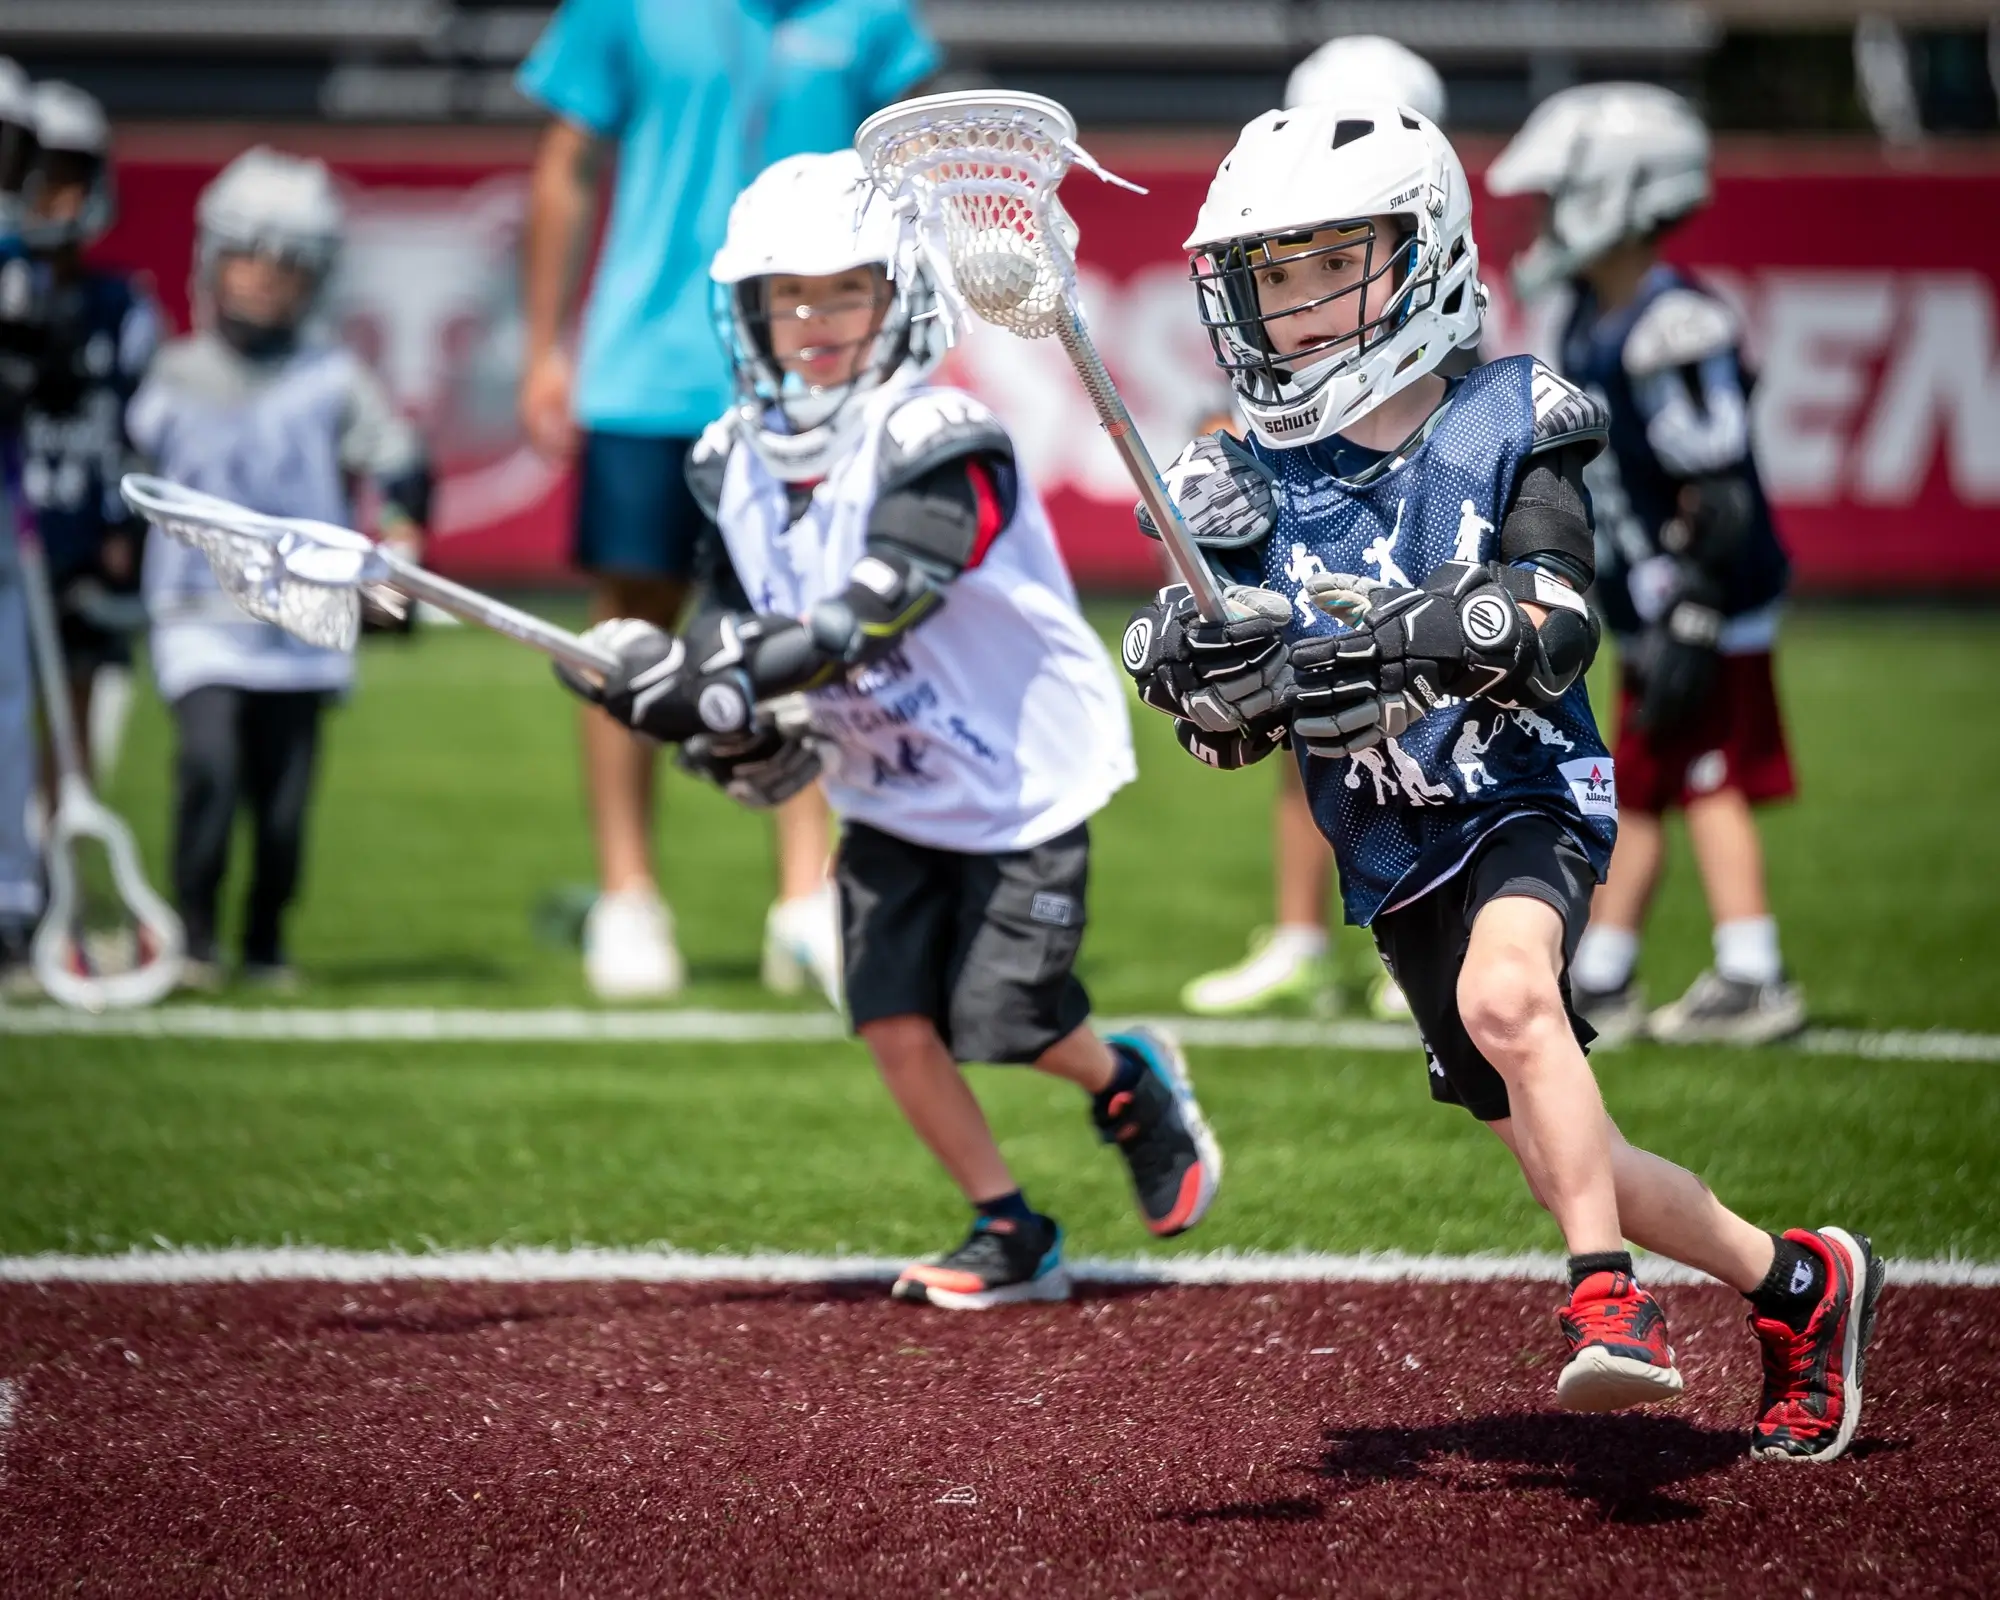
(307,576)
(975,175)
(78,964)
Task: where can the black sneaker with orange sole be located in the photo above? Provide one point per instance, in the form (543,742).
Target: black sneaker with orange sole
(1618,1350)
(1158,1127)
(1812,1380)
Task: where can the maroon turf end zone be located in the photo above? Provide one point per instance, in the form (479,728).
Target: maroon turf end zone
(715,1439)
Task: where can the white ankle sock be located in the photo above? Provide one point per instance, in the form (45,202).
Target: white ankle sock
(1747,950)
(1605,957)
(1302,937)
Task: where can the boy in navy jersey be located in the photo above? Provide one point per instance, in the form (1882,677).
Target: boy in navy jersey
(75,443)
(1410,552)
(1690,570)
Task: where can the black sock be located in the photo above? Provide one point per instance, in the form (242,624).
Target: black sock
(1007,1208)
(1131,1065)
(1791,1290)
(1581,1267)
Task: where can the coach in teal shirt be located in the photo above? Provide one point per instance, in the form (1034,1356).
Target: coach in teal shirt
(696,97)
(699,96)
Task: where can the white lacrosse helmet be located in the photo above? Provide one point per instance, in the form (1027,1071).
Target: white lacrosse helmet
(267,203)
(1336,167)
(814,216)
(1366,66)
(74,138)
(1616,160)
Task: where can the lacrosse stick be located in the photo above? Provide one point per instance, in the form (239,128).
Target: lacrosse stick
(65,961)
(307,576)
(974,175)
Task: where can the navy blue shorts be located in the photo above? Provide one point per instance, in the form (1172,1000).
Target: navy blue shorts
(634,515)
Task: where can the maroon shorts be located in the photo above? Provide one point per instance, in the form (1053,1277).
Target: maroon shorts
(1735,741)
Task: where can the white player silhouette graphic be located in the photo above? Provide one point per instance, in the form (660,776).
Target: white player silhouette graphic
(1371,762)
(1465,756)
(1542,729)
(1472,530)
(1382,554)
(1418,789)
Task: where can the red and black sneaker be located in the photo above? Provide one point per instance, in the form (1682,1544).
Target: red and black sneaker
(1618,1350)
(1812,1380)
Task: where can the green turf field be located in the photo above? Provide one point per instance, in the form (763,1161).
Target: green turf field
(450,806)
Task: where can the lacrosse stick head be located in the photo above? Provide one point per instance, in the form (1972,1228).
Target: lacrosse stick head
(304,576)
(976,173)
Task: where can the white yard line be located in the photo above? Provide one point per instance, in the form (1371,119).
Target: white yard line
(422,1025)
(304,1263)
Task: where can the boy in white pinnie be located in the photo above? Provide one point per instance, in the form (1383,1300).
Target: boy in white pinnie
(880,552)
(1412,551)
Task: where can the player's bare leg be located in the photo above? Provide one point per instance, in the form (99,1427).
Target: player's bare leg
(1601,981)
(938,1103)
(802,928)
(1510,1000)
(1744,997)
(1012,1253)
(1668,1210)
(629,950)
(1288,962)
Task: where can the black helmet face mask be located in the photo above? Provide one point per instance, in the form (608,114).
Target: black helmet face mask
(1276,305)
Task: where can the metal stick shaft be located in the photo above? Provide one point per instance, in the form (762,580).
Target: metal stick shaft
(470,605)
(1188,561)
(46,634)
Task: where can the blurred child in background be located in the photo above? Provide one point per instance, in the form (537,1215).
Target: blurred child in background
(259,406)
(1690,571)
(75,447)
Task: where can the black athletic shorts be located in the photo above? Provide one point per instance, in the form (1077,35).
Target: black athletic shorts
(983,945)
(1423,945)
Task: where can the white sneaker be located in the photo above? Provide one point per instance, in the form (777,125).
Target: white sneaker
(1285,967)
(802,945)
(628,947)
(1386,1000)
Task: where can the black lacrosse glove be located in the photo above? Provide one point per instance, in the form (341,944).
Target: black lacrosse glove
(1676,660)
(1221,676)
(1459,635)
(671,688)
(1241,747)
(759,769)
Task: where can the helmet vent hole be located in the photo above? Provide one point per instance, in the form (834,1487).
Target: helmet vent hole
(1411,123)
(1453,301)
(1280,124)
(1347,130)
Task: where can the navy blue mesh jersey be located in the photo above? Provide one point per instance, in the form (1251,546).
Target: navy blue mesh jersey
(72,460)
(1405,815)
(1668,369)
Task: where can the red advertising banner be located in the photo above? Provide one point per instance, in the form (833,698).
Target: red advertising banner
(1868,292)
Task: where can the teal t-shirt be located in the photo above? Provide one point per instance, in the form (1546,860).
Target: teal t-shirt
(698,95)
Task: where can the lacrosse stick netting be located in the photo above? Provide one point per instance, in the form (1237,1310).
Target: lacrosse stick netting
(974,176)
(307,576)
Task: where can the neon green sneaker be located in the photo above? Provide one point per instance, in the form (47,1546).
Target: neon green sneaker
(1286,967)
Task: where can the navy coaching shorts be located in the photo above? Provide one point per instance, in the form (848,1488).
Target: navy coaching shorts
(634,514)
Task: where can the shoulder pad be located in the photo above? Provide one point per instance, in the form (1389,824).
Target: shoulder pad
(707,463)
(933,427)
(1564,414)
(1678,329)
(1226,494)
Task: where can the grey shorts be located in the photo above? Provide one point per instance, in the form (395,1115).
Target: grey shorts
(983,945)
(1423,945)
